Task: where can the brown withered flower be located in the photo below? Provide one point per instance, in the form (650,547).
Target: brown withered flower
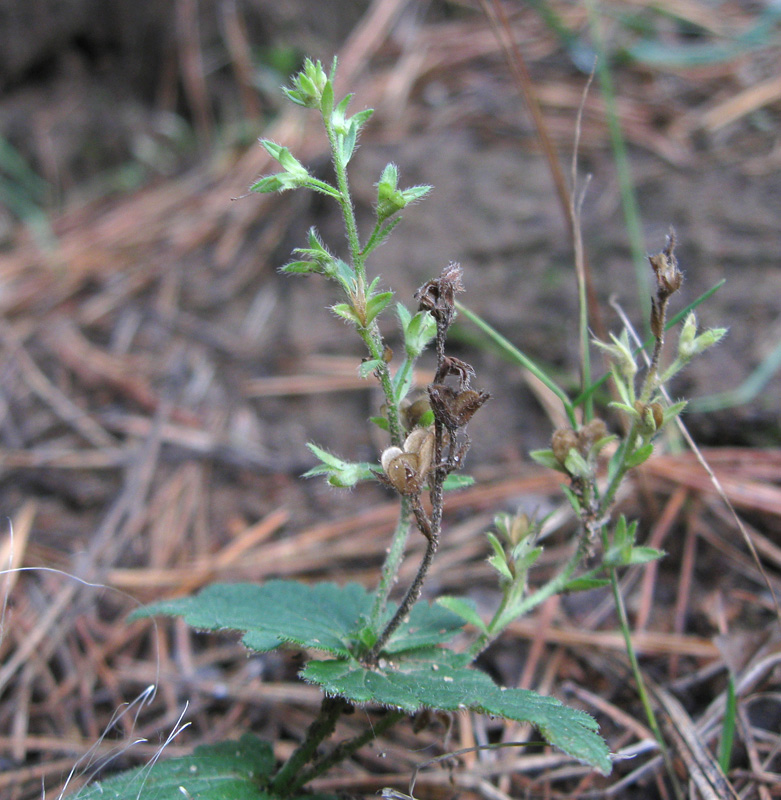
(454,408)
(455,366)
(669,277)
(438,296)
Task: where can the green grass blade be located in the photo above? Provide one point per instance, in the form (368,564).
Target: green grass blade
(516,356)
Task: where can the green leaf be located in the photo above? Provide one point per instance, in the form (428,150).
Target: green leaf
(224,771)
(301,268)
(640,456)
(435,678)
(499,559)
(576,465)
(418,332)
(323,617)
(376,305)
(380,422)
(546,458)
(369,366)
(403,313)
(346,311)
(572,497)
(644,555)
(340,473)
(584,583)
(327,100)
(426,625)
(465,609)
(454,481)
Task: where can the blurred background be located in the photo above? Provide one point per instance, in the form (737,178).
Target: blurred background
(160,379)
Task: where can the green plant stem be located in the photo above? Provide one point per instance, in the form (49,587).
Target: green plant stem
(390,569)
(284,782)
(374,344)
(345,203)
(347,748)
(509,610)
(371,335)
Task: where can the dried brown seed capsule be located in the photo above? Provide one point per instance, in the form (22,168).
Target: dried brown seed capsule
(414,411)
(452,408)
(589,434)
(406,469)
(562,441)
(455,366)
(439,295)
(665,266)
(420,443)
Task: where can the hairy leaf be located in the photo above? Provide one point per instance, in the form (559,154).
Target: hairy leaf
(436,678)
(322,617)
(224,771)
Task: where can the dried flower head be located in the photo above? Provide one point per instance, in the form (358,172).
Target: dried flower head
(455,408)
(438,296)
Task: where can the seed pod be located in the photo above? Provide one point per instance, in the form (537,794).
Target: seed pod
(420,443)
(589,434)
(454,409)
(413,412)
(562,441)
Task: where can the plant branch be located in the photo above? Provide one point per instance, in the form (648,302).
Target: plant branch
(284,782)
(347,748)
(413,592)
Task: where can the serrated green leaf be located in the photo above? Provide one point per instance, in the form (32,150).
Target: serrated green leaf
(224,771)
(465,609)
(426,625)
(435,678)
(322,617)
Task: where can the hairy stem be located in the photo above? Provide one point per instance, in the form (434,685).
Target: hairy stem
(390,568)
(347,748)
(284,782)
